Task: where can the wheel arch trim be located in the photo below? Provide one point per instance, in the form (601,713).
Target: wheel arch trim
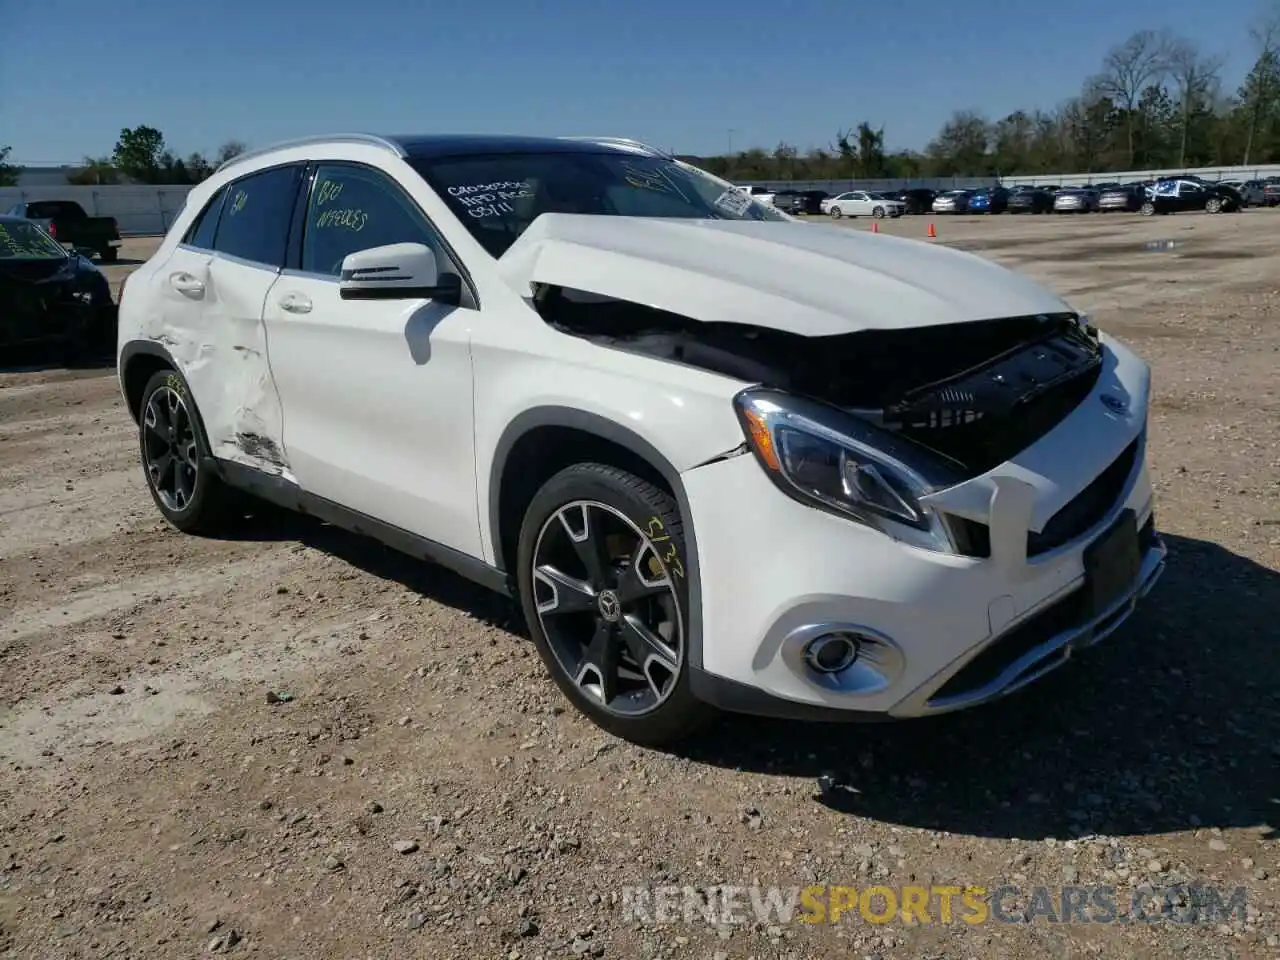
(129,352)
(605,429)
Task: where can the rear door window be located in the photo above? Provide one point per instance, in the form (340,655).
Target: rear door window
(256,214)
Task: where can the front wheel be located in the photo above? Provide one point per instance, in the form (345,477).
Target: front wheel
(604,588)
(878,212)
(1213,205)
(1147,209)
(175,458)
(109,254)
(835,213)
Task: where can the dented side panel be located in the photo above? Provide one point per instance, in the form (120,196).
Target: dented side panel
(210,321)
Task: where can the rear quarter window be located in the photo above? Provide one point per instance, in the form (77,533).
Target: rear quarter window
(200,233)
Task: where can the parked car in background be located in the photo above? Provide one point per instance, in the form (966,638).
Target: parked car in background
(799,201)
(1125,197)
(1030,200)
(989,200)
(1252,192)
(782,199)
(914,199)
(758,194)
(1184,193)
(66,222)
(863,203)
(1271,193)
(596,380)
(951,201)
(1075,200)
(51,297)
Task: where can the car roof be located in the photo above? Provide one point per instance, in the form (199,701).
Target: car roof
(433,146)
(440,145)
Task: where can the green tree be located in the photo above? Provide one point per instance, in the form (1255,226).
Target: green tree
(8,172)
(93,171)
(961,146)
(871,159)
(139,153)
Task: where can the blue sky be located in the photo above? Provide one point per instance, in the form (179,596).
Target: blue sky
(679,73)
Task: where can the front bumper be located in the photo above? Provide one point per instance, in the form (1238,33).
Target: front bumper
(940,632)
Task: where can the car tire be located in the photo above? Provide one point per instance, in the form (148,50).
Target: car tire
(1213,205)
(878,212)
(176,461)
(609,548)
(109,255)
(835,213)
(1147,209)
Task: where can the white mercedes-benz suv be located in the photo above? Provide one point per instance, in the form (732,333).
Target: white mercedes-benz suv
(721,458)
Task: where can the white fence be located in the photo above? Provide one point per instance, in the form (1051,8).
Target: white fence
(140,211)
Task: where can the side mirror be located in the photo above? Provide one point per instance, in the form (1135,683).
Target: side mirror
(398,271)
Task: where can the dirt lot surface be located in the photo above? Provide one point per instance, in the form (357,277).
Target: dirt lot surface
(418,788)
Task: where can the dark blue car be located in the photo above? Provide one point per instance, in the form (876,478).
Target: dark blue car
(989,200)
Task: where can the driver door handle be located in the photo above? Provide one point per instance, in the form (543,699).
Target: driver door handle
(187,284)
(295,303)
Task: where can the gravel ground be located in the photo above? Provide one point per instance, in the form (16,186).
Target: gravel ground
(298,744)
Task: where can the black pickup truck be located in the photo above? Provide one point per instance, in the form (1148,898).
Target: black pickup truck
(66,222)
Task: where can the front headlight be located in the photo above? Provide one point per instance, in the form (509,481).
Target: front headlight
(837,462)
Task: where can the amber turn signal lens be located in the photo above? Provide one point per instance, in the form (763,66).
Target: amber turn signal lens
(761,438)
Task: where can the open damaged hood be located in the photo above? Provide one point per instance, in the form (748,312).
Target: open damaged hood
(808,279)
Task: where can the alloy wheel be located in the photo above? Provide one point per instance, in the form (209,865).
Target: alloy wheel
(170,450)
(608,607)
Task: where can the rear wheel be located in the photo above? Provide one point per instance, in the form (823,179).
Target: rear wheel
(1213,205)
(1147,209)
(109,254)
(605,594)
(878,212)
(175,458)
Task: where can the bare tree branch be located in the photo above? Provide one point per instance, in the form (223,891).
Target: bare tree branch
(1195,76)
(1130,68)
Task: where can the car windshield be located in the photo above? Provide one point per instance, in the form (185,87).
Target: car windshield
(22,240)
(497,196)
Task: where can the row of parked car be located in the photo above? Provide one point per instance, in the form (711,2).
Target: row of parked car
(1148,197)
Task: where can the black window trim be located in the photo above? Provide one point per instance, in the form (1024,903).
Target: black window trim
(226,191)
(293,260)
(198,222)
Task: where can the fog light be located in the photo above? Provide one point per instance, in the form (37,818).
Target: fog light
(831,652)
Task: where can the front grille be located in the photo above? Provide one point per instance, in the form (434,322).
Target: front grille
(1081,513)
(1088,507)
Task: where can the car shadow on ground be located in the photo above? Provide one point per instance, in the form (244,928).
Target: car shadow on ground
(118,262)
(1169,724)
(430,580)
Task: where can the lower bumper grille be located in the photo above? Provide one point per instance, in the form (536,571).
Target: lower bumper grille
(1012,661)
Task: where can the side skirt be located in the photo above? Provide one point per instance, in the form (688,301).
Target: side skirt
(286,494)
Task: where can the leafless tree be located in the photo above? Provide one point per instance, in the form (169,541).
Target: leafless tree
(1195,76)
(1129,69)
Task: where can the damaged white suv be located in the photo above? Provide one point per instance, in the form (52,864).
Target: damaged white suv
(722,458)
